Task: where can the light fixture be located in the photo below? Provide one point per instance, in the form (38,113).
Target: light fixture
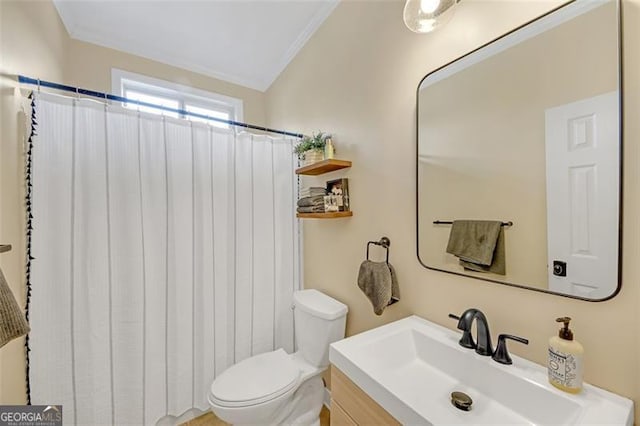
(423,16)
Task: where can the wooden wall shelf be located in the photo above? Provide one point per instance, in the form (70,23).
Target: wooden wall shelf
(328,215)
(324,166)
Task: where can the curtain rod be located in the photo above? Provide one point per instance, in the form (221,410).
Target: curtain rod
(110,97)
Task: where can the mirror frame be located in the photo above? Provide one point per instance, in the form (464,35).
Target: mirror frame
(620,87)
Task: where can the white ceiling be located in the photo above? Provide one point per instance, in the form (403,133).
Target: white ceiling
(247,42)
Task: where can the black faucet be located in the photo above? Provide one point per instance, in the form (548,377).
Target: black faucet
(483,347)
(501,354)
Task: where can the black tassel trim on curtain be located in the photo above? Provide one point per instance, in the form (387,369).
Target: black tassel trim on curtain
(29,258)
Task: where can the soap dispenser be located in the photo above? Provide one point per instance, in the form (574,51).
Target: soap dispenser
(565,360)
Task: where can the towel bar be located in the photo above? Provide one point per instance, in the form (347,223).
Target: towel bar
(5,248)
(450,222)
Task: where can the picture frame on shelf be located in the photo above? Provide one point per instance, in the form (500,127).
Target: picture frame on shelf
(338,190)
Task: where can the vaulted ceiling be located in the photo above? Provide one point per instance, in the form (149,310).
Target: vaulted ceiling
(246,42)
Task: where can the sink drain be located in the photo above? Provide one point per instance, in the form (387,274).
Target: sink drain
(461,401)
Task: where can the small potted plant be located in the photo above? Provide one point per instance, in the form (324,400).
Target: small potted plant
(311,148)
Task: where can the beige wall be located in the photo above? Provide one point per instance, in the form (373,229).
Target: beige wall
(35,43)
(482,140)
(357,77)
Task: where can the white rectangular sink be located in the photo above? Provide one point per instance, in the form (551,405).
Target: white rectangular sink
(411,366)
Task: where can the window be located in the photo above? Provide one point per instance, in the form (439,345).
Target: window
(176,96)
(143,97)
(208,112)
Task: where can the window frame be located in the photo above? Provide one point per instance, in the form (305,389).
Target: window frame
(121,81)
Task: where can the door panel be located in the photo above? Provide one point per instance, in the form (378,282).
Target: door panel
(582,155)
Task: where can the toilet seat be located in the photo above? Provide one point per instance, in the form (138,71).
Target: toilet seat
(255,380)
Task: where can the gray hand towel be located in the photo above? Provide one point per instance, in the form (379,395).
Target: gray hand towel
(312,209)
(395,289)
(12,321)
(479,244)
(313,191)
(498,265)
(379,283)
(474,240)
(311,201)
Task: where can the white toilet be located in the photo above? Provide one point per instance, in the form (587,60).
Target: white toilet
(280,388)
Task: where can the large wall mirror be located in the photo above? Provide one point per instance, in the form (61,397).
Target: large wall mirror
(526,130)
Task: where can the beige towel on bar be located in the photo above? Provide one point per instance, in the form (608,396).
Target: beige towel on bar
(12,321)
(479,244)
(379,283)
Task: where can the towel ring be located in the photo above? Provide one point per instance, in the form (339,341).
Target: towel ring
(384,242)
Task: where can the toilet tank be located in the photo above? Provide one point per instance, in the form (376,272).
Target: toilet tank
(319,321)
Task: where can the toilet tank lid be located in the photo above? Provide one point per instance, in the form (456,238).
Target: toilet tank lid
(319,304)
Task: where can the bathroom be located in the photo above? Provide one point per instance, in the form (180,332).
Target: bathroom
(355,77)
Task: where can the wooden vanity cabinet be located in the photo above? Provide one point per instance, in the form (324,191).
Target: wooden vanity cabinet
(351,406)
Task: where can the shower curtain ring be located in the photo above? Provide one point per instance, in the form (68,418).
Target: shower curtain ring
(77,93)
(38,85)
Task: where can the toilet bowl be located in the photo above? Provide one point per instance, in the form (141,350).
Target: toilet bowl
(281,388)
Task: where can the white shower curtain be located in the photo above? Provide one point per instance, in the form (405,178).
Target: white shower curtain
(165,251)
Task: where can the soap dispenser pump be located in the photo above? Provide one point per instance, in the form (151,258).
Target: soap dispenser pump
(565,359)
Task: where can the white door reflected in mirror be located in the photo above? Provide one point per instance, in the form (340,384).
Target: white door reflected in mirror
(582,152)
